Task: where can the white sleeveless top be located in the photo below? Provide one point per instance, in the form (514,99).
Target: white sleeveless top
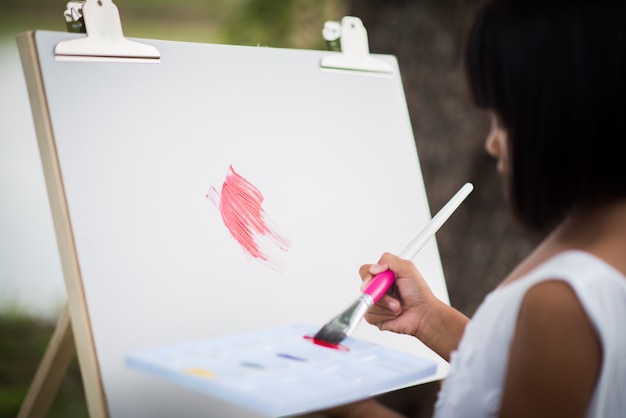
(475,382)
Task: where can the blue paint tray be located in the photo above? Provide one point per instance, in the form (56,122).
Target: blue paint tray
(278,372)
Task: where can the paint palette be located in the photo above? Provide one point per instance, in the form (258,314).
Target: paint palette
(281,370)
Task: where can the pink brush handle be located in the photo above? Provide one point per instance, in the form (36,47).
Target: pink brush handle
(380,284)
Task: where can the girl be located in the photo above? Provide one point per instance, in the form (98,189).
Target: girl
(550,341)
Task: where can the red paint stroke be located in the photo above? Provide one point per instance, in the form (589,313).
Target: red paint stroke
(326,344)
(240,204)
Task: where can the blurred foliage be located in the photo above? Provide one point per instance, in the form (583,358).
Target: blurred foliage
(277,23)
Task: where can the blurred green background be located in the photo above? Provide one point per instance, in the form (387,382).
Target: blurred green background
(478,246)
(278,23)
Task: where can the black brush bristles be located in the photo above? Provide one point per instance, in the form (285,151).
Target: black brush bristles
(338,328)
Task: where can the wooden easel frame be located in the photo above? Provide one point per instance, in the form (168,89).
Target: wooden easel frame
(73,329)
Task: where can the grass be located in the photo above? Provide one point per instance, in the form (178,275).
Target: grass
(23,342)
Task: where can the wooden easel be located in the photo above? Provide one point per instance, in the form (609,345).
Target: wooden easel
(74,332)
(73,320)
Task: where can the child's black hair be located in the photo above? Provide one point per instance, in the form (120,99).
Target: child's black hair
(554,73)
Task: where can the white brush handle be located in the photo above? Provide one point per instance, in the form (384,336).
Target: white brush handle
(435,223)
(383,281)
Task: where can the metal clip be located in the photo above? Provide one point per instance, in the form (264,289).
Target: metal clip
(104,40)
(351,37)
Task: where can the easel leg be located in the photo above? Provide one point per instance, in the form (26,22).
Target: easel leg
(51,370)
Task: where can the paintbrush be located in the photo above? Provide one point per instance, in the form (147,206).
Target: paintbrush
(343,324)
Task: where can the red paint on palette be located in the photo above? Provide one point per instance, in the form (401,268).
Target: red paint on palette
(326,344)
(241,207)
